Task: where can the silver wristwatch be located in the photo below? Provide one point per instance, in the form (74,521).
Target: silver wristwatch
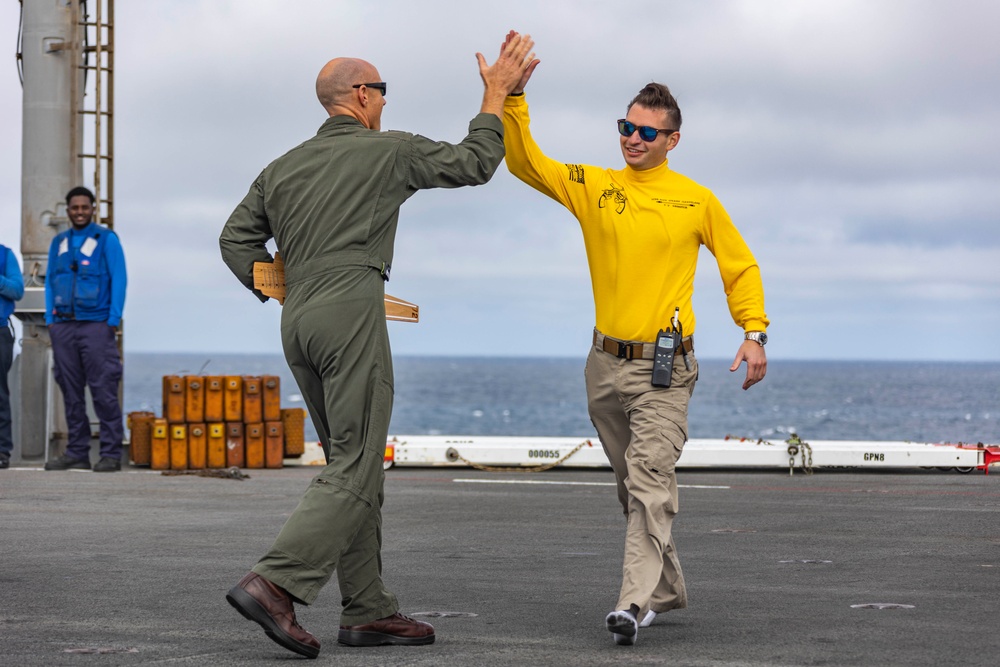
(758,337)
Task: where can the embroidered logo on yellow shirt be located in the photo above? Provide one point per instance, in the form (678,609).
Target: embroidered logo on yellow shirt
(613,195)
(575,172)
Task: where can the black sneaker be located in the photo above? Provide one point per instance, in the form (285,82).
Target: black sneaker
(66,463)
(624,625)
(108,465)
(4,463)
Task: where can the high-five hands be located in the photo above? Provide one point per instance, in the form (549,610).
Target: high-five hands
(519,88)
(512,69)
(510,66)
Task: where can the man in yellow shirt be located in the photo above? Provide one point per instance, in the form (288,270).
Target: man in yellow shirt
(642,228)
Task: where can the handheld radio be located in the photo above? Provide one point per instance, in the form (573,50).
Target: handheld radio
(667,343)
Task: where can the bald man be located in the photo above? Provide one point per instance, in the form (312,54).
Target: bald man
(332,205)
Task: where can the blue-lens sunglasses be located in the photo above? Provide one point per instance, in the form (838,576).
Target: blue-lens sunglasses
(646,133)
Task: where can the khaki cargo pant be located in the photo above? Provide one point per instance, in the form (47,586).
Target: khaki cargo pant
(339,354)
(643,429)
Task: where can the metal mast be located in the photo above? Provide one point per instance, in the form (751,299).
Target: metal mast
(64,58)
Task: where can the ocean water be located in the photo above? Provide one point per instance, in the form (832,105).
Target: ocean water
(819,400)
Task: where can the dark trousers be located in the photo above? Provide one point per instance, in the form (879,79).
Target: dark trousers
(6,359)
(86,355)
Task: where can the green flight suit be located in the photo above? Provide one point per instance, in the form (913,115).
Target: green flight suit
(332,205)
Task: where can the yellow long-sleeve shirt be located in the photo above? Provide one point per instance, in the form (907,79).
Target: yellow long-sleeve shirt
(642,231)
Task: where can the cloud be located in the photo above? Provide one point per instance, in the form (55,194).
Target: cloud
(851,142)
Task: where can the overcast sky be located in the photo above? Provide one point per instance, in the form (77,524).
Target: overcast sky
(854,144)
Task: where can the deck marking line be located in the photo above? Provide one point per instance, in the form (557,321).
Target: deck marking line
(549,482)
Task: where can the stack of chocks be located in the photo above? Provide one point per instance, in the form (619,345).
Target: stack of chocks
(218,421)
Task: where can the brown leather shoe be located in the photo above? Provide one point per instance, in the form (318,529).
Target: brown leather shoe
(270,605)
(395,629)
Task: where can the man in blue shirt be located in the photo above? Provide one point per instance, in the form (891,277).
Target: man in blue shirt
(84,299)
(11,290)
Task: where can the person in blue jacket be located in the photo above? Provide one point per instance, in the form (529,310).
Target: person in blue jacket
(84,299)
(11,290)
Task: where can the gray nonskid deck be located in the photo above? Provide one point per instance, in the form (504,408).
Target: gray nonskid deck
(132,568)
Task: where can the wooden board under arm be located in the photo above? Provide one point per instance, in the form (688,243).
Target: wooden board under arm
(398,310)
(269,278)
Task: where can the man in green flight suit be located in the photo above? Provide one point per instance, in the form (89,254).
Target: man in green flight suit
(332,205)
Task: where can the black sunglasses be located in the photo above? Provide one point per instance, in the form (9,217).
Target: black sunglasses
(378,85)
(646,133)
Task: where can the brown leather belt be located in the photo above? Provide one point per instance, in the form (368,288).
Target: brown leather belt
(632,350)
